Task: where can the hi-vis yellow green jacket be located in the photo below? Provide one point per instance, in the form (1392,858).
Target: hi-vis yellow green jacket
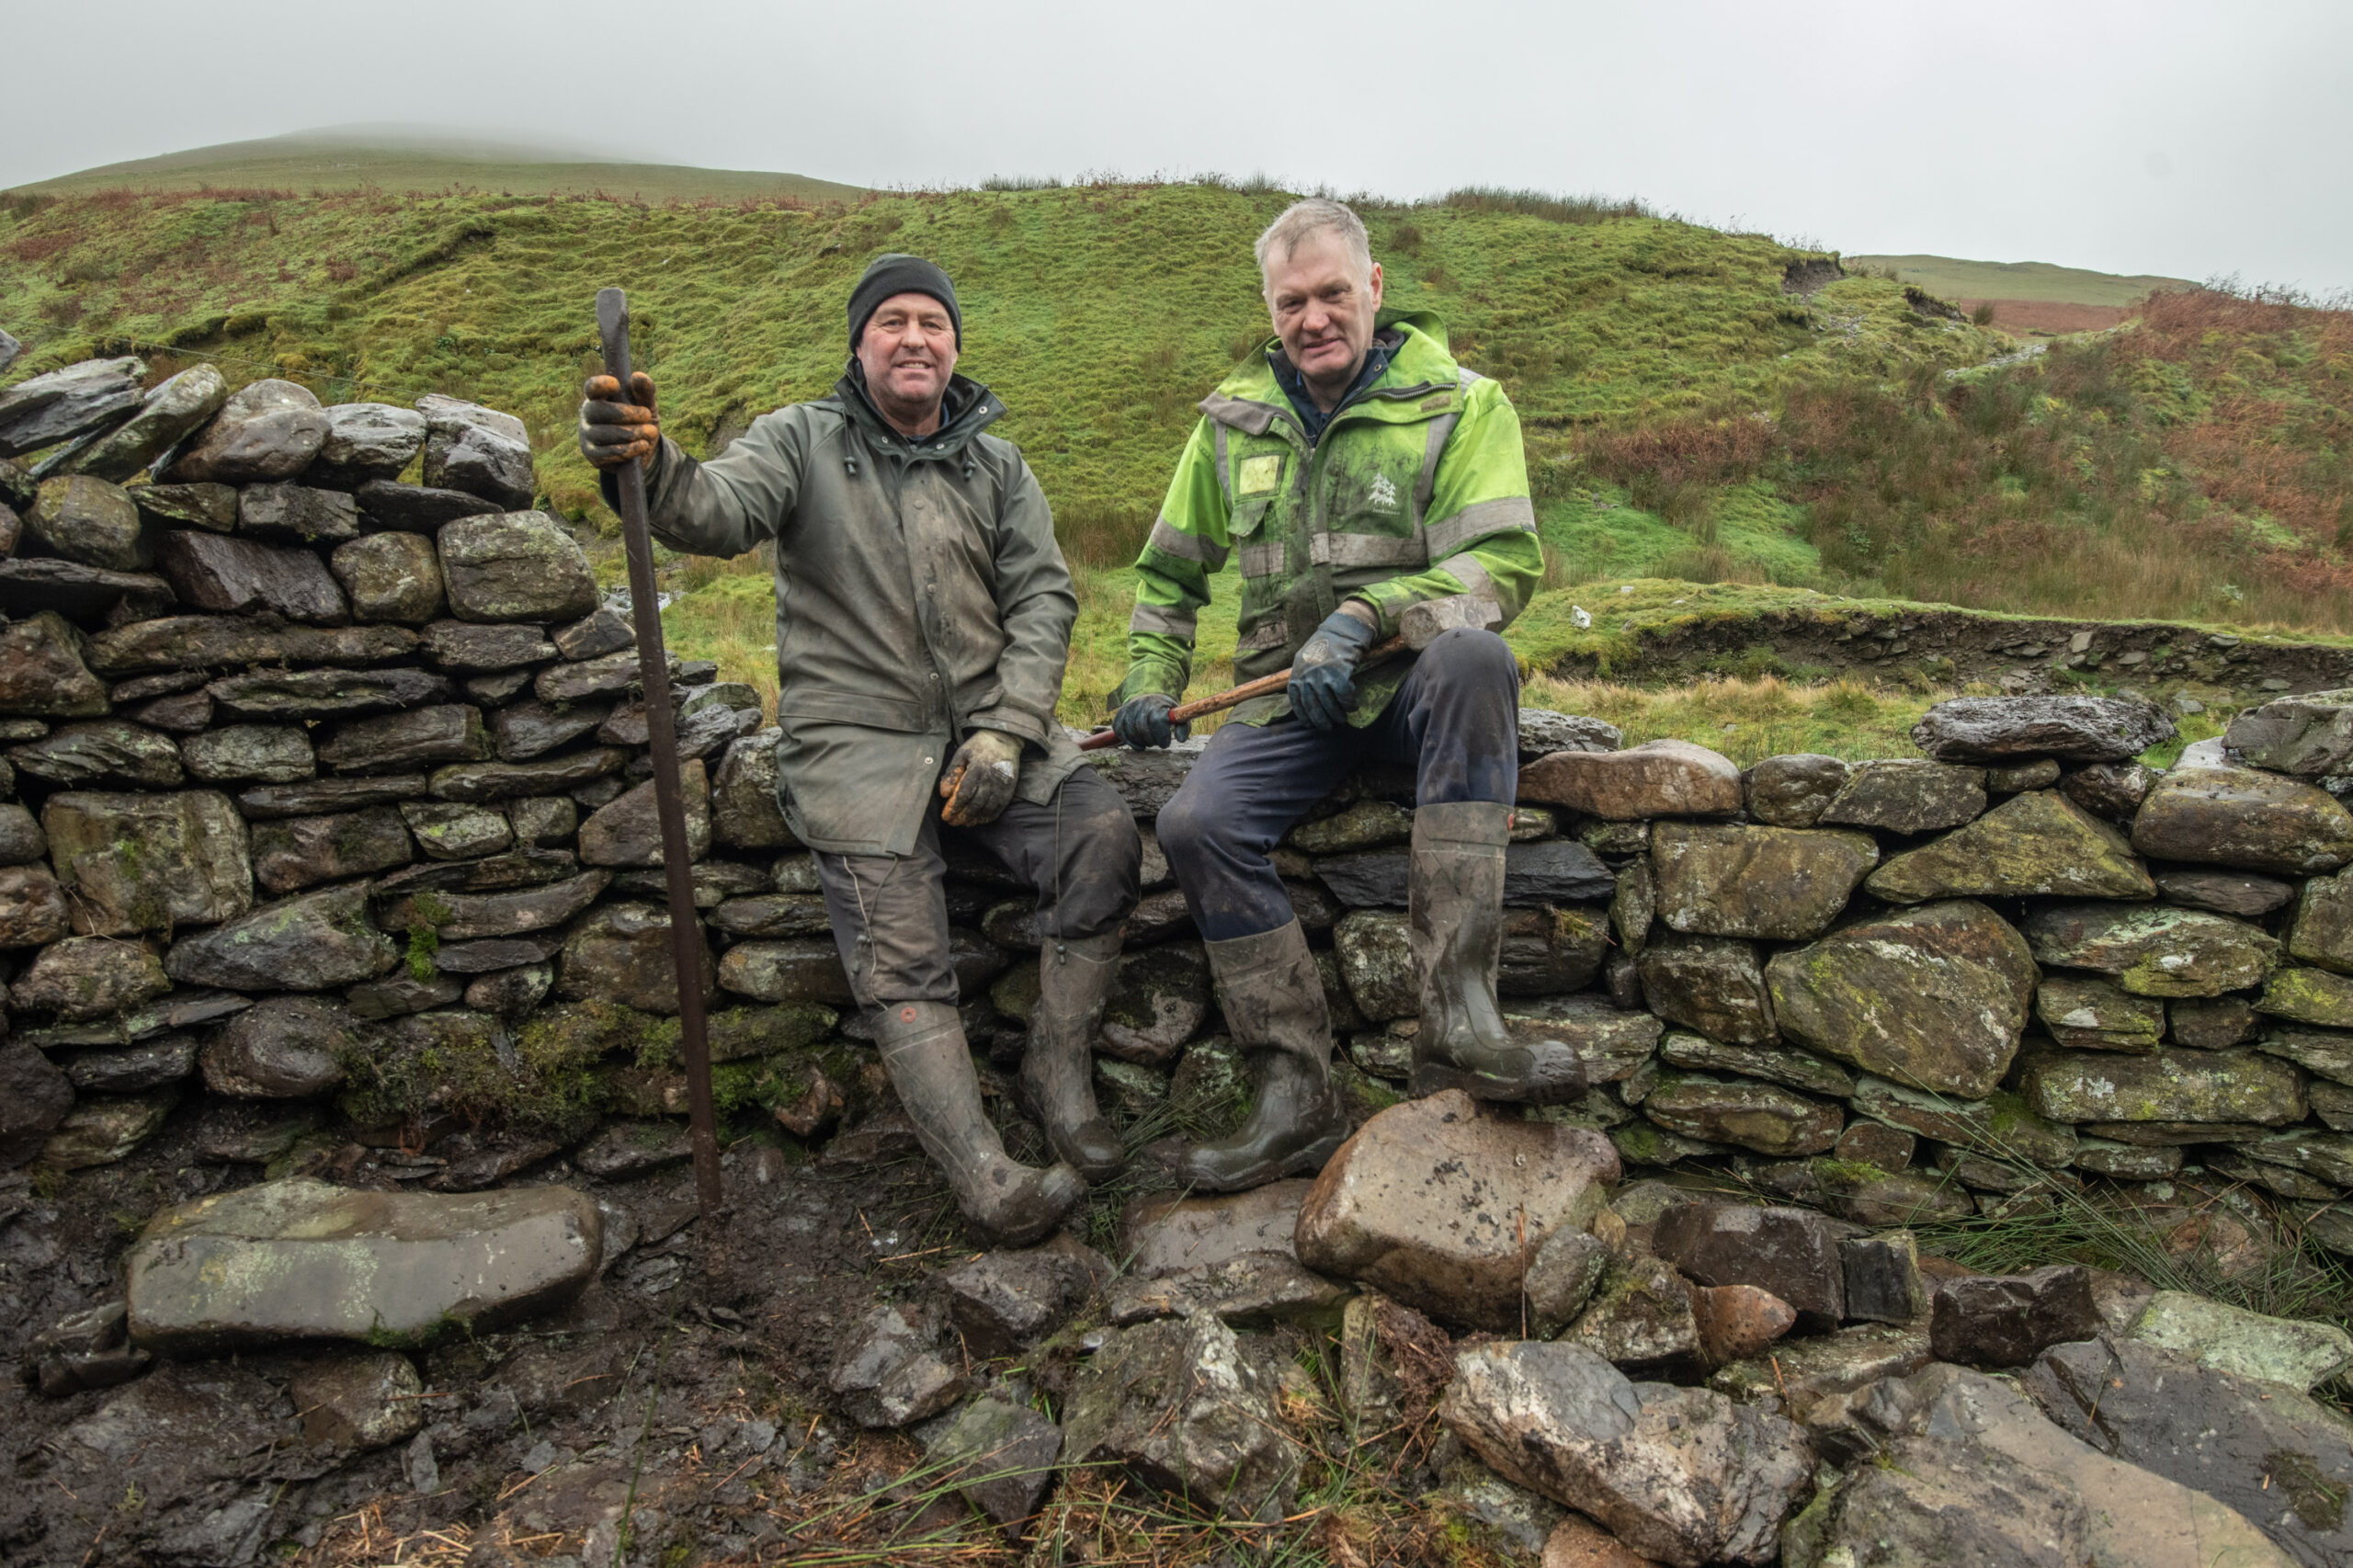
(1418,490)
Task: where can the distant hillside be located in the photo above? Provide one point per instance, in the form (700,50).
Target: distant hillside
(403,159)
(2039,281)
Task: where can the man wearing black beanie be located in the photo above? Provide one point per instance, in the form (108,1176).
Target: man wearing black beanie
(923,620)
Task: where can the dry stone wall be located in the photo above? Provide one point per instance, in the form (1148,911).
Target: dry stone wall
(323,813)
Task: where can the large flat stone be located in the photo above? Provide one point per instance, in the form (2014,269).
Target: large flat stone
(482,782)
(2070,728)
(621,952)
(1554,871)
(296,852)
(1777,883)
(1683,1476)
(2167,1085)
(2039,843)
(267,429)
(2310,736)
(28,586)
(1906,795)
(2238,816)
(137,862)
(1233,1256)
(1659,778)
(1742,1112)
(1936,996)
(1793,790)
(467,918)
(101,750)
(300,1260)
(1440,1206)
(297,514)
(82,978)
(2243,1344)
(405,742)
(60,404)
(222,641)
(2155,950)
(166,414)
(326,694)
(310,942)
(745,811)
(364,441)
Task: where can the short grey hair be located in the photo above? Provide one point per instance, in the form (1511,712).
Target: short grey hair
(1304,219)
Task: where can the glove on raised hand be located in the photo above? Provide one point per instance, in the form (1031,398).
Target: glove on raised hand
(613,431)
(980,779)
(1323,673)
(1142,721)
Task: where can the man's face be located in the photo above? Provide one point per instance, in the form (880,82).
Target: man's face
(909,350)
(1323,311)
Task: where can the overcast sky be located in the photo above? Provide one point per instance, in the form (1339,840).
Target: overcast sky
(2160,137)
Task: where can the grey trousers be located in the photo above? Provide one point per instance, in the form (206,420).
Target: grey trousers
(1081,851)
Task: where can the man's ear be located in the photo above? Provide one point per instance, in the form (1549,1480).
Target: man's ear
(1373,283)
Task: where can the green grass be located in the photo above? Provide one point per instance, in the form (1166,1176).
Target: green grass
(1950,278)
(415,160)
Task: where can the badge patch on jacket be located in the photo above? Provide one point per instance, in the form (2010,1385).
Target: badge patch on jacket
(1259,475)
(1383,496)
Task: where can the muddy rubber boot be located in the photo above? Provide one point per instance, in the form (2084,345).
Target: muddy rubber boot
(1273,1001)
(1010,1203)
(1058,1068)
(1456,900)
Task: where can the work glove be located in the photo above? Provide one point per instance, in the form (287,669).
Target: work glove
(1323,673)
(612,431)
(979,782)
(1142,721)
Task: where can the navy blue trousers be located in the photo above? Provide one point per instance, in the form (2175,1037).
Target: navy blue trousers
(1455,718)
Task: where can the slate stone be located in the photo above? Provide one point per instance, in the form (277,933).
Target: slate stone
(512,993)
(493,873)
(454,832)
(625,1149)
(999,1456)
(1555,871)
(41,672)
(281,1047)
(1182,1406)
(181,1010)
(745,813)
(515,566)
(1782,884)
(2287,1351)
(2310,996)
(2070,728)
(2153,951)
(1793,790)
(501,952)
(533,728)
(364,441)
(1775,1064)
(2034,844)
(85,593)
(2310,736)
(620,952)
(266,430)
(2127,1162)
(296,852)
(1367,824)
(460,645)
(1905,795)
(390,577)
(324,797)
(272,754)
(1439,1208)
(212,506)
(184,714)
(87,521)
(1542,732)
(1683,1476)
(311,942)
(21,839)
(888,1376)
(416,508)
(326,694)
(1882,1277)
(2110,790)
(1659,778)
(2322,929)
(480,460)
(32,907)
(2087,1014)
(543,819)
(628,832)
(1545,953)
(102,751)
(358,1402)
(1793,1252)
(1738,1321)
(82,978)
(611,675)
(101,1131)
(187,641)
(2326,1054)
(2018,779)
(60,404)
(417,738)
(297,514)
(466,917)
(594,635)
(2279,1458)
(1936,996)
(260,1265)
(34,1097)
(1712,985)
(2239,817)
(1004,1301)
(1744,1113)
(2242,893)
(2009,1319)
(2166,1085)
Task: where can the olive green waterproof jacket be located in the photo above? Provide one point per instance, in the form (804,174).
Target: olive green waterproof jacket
(1417,490)
(919,596)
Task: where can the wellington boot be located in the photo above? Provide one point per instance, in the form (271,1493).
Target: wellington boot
(1273,1001)
(1009,1203)
(1058,1069)
(1456,900)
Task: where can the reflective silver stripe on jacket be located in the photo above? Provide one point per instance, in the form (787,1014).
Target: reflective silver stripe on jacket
(1168,620)
(1263,559)
(1170,539)
(1470,574)
(1344,550)
(1501,515)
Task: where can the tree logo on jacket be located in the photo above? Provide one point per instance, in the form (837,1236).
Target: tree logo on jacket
(1383,495)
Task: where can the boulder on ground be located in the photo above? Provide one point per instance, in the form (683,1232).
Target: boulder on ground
(1736,1322)
(2230,1339)
(298,1259)
(1935,996)
(999,1456)
(1234,1256)
(1440,1206)
(889,1375)
(358,1402)
(1682,1475)
(1002,1302)
(1659,778)
(2070,728)
(2238,816)
(1187,1408)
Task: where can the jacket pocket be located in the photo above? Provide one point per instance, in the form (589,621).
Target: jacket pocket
(848,708)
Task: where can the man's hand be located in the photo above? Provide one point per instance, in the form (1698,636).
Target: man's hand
(612,431)
(1142,721)
(1323,673)
(979,782)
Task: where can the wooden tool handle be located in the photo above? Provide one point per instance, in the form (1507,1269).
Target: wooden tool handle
(1234,695)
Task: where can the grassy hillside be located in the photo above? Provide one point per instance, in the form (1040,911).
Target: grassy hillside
(1950,278)
(411,160)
